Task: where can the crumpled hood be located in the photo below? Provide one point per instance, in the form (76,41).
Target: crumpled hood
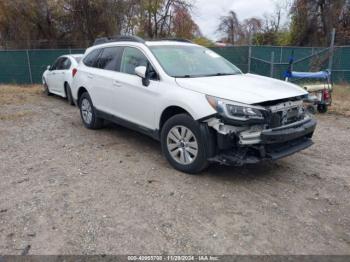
(245,88)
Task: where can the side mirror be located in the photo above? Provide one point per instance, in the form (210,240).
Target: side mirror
(141,71)
(48,67)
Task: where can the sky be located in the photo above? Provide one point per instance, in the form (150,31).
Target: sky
(207,12)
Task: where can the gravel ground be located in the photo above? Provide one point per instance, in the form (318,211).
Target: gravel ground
(68,190)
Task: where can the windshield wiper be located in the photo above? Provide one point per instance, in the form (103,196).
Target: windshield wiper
(210,75)
(186,76)
(222,74)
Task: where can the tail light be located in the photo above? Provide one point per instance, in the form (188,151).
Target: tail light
(74,72)
(326,95)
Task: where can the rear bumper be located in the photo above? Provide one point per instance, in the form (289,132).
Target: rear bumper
(275,144)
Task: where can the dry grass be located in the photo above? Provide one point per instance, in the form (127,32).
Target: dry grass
(16,95)
(15,116)
(341,100)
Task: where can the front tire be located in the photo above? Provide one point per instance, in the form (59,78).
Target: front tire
(88,113)
(183,145)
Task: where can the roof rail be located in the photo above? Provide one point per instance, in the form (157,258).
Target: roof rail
(104,40)
(177,40)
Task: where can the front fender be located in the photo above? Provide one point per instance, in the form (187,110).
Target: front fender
(192,102)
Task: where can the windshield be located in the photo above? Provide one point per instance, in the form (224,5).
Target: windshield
(192,61)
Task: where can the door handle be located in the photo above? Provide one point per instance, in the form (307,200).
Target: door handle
(117,83)
(90,76)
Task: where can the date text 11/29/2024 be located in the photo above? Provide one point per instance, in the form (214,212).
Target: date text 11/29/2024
(173,258)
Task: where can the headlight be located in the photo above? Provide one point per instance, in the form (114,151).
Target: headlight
(236,111)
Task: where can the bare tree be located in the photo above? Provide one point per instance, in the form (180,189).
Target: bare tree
(251,27)
(157,15)
(230,26)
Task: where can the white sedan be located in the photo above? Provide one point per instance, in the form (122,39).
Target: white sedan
(58,77)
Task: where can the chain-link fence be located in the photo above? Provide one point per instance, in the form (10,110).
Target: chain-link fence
(27,66)
(274,61)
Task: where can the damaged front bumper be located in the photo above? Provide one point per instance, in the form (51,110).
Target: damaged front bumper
(254,145)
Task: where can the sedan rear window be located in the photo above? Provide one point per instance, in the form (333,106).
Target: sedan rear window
(77,58)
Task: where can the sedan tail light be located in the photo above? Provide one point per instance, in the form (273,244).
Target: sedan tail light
(74,72)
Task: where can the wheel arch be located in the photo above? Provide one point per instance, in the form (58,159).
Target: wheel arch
(169,112)
(81,90)
(65,88)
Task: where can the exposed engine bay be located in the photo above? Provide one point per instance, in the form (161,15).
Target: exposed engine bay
(287,128)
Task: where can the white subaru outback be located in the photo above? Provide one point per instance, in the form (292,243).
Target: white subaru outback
(201,107)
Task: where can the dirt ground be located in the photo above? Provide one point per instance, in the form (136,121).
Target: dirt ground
(68,190)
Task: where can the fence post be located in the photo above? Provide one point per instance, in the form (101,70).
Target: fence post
(281,55)
(250,53)
(29,67)
(330,65)
(272,64)
(249,58)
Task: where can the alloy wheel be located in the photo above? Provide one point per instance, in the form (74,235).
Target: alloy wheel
(182,145)
(86,111)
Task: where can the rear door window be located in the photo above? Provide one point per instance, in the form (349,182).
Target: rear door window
(60,64)
(91,59)
(56,64)
(66,63)
(110,58)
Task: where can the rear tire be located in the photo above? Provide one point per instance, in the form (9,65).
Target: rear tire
(88,113)
(46,89)
(69,94)
(183,145)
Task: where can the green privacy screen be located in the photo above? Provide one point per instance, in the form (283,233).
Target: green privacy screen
(14,67)
(237,55)
(27,66)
